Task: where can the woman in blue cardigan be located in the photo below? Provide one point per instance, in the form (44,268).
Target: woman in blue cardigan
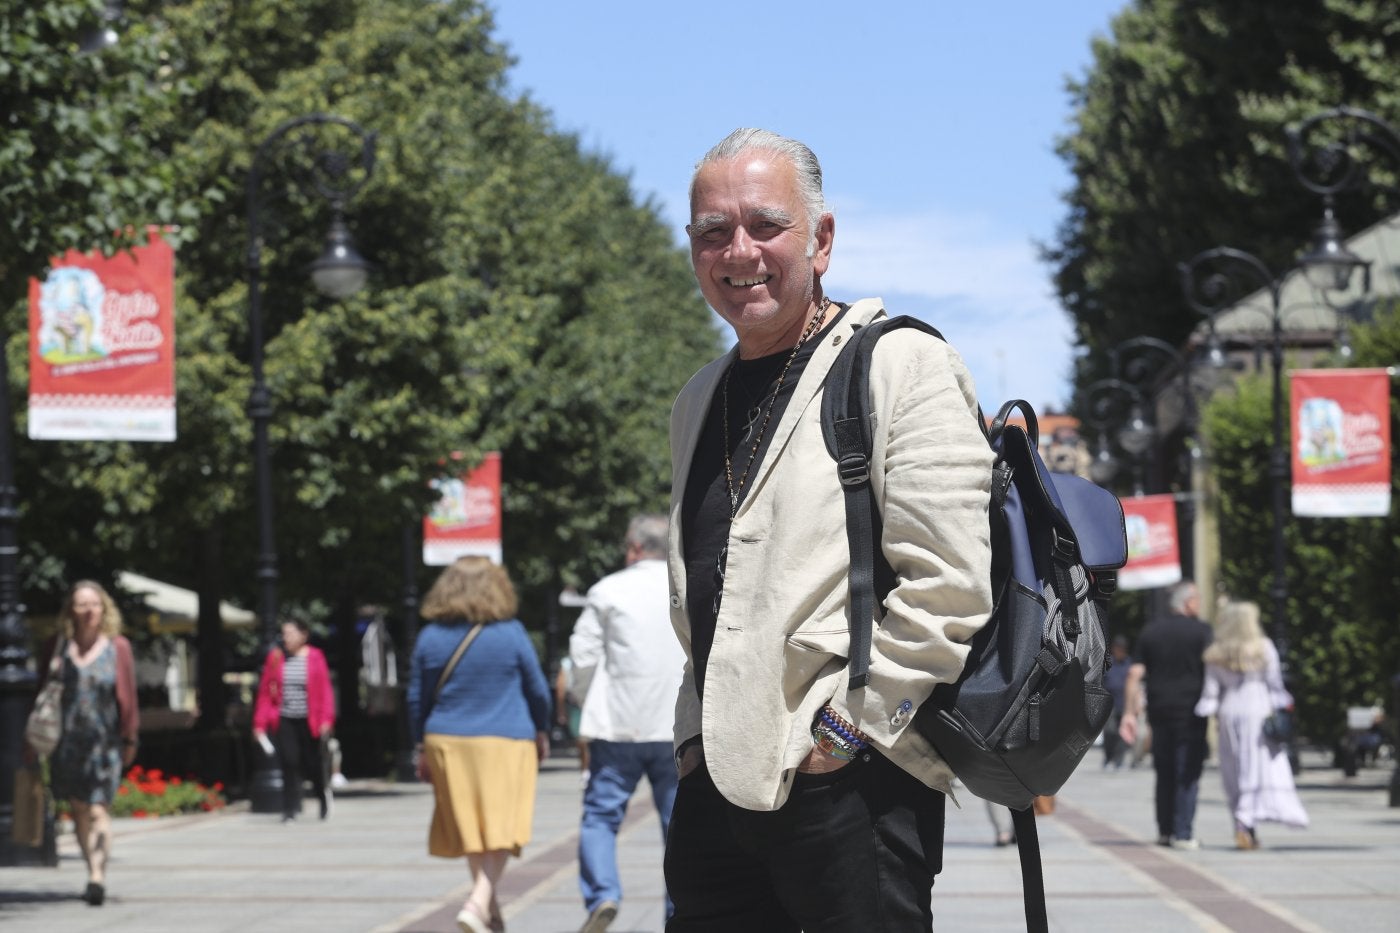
(481,731)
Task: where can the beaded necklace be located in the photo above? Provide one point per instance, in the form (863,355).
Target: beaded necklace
(735,489)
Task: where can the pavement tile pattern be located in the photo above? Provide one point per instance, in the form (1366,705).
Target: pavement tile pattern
(366,870)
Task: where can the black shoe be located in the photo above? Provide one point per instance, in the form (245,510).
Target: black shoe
(288,817)
(94,894)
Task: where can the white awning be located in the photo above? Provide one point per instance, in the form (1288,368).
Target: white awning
(177,605)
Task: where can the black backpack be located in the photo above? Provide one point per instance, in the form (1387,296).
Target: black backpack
(1030,701)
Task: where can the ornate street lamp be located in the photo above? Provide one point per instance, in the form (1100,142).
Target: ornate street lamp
(335,173)
(1331,168)
(1112,404)
(1211,283)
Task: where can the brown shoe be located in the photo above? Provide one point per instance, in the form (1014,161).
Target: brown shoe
(1244,840)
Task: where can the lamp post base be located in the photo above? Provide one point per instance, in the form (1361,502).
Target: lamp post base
(16,696)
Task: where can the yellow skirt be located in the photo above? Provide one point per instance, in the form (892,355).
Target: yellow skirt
(483,792)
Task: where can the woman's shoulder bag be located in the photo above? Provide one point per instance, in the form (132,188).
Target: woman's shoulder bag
(45,725)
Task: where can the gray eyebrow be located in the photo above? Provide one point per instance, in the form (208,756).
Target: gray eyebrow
(706,221)
(775,214)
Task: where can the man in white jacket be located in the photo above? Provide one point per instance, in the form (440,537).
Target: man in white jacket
(627,666)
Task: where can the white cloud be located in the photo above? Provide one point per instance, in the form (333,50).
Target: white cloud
(984,289)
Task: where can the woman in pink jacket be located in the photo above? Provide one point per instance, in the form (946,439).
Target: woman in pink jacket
(296,707)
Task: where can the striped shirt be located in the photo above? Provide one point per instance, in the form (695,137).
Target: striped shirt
(294,687)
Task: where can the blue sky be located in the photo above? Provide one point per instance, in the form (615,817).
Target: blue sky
(935,124)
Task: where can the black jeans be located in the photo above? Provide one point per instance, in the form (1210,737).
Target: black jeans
(299,754)
(1178,756)
(852,851)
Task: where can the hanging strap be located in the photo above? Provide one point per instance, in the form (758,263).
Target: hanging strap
(456,656)
(1032,878)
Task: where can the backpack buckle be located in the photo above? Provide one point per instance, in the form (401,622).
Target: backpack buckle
(1065,548)
(854,470)
(1050,659)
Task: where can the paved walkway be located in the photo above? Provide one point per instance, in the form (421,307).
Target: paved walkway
(366,868)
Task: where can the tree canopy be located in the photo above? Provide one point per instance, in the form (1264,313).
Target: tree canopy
(1177,146)
(524,299)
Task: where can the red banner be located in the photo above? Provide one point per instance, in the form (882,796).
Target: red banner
(467,517)
(1341,442)
(102,347)
(1153,555)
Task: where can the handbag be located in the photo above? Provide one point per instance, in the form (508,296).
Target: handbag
(30,804)
(45,724)
(1278,727)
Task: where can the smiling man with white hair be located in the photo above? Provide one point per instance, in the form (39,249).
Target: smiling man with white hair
(806,803)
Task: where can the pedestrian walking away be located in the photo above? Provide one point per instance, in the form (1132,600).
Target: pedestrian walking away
(1169,655)
(627,667)
(478,707)
(806,803)
(101,721)
(1243,687)
(295,706)
(1115,680)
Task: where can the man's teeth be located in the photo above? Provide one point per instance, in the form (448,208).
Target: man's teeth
(757,280)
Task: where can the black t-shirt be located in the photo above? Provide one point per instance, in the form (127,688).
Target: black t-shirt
(1170,649)
(705,505)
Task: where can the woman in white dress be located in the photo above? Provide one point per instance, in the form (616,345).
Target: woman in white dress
(1243,686)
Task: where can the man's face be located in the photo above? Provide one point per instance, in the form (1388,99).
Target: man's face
(749,245)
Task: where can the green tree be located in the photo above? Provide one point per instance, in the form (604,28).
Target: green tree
(1177,146)
(524,300)
(81,154)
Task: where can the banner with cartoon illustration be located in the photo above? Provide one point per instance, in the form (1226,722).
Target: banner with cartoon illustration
(102,347)
(1341,442)
(467,517)
(1153,554)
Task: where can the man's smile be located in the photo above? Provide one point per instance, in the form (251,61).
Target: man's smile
(744,282)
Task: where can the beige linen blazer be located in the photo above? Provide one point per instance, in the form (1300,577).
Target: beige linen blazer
(782,636)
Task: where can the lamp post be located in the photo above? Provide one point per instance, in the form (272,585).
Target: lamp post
(17,682)
(327,171)
(1332,168)
(1329,169)
(1112,403)
(1211,283)
(1132,360)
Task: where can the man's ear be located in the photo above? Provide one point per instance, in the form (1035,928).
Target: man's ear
(826,232)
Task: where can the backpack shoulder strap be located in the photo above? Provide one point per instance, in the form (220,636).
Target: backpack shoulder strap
(846,429)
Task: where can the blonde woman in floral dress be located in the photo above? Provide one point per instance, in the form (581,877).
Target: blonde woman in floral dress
(100,722)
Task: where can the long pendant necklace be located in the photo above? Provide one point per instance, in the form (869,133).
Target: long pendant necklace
(736,489)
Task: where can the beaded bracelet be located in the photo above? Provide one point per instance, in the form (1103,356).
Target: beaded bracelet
(843,728)
(832,744)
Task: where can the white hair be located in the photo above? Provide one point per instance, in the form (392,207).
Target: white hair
(804,161)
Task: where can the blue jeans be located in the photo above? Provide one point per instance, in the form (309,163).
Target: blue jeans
(614,770)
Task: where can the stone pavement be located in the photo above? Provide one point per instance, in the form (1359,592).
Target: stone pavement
(366,868)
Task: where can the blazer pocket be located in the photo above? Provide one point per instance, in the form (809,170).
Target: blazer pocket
(811,655)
